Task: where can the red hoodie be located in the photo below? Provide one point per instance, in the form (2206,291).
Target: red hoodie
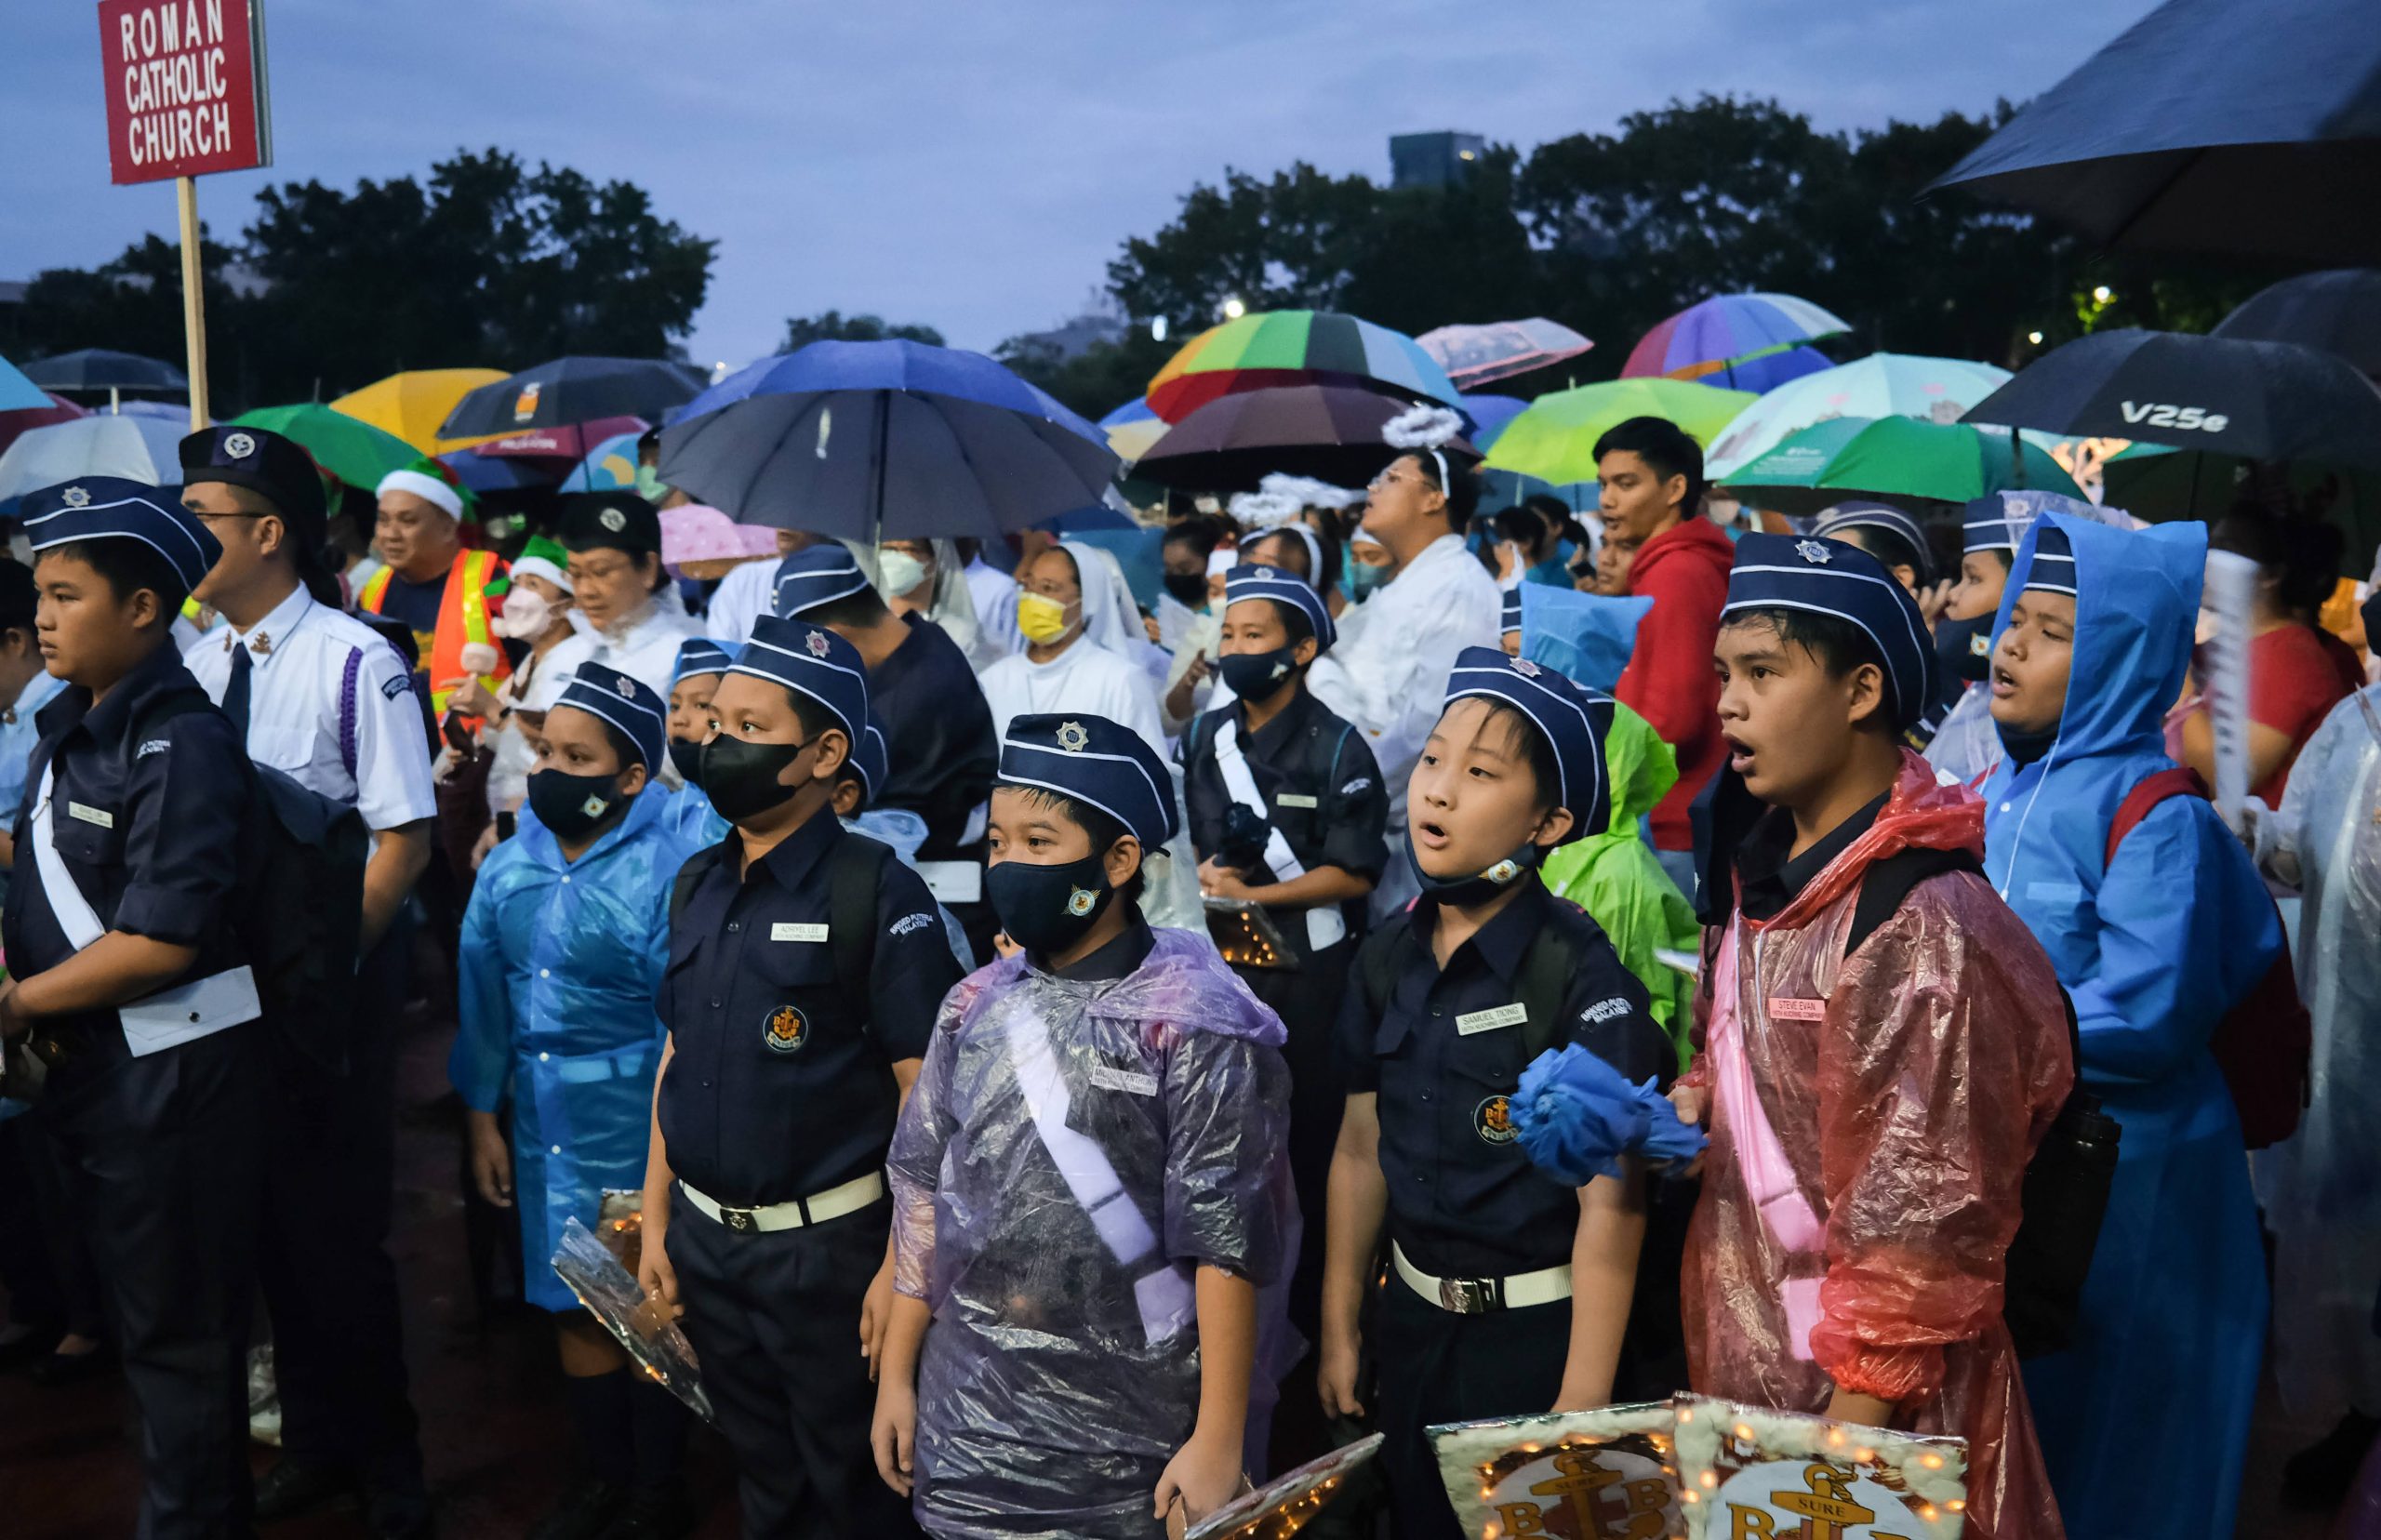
(1668,681)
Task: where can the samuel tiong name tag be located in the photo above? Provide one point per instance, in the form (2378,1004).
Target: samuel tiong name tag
(89,815)
(1489,1020)
(787,931)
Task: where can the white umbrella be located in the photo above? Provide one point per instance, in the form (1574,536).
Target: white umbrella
(1882,385)
(137,449)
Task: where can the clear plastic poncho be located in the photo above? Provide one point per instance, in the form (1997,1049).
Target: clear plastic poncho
(1072,1153)
(2321,1197)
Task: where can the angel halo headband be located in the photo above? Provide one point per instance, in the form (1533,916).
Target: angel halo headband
(1426,427)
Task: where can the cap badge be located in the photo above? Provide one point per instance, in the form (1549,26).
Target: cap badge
(1813,550)
(613,520)
(76,497)
(627,688)
(1074,737)
(239,446)
(817,644)
(1525,668)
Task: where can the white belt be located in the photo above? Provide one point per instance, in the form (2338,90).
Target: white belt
(1479,1296)
(817,1209)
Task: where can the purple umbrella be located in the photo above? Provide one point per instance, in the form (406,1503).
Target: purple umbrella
(1332,433)
(1715,340)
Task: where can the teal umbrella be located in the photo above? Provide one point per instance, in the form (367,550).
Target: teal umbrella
(18,393)
(1893,457)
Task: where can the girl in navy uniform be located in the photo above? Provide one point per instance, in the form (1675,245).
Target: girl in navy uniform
(563,946)
(131,844)
(1509,1291)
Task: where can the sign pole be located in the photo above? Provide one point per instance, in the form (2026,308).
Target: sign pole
(194,302)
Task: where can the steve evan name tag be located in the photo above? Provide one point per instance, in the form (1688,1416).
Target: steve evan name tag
(1787,1008)
(787,931)
(100,815)
(1290,799)
(1108,1078)
(1489,1020)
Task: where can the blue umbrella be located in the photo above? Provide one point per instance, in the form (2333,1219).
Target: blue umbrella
(17,393)
(136,448)
(609,467)
(875,440)
(486,474)
(1083,520)
(1489,414)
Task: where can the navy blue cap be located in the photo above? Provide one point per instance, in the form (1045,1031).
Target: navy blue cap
(698,654)
(1573,718)
(1877,515)
(1511,624)
(817,575)
(870,763)
(1283,588)
(810,660)
(1999,520)
(2053,563)
(105,508)
(1095,762)
(277,467)
(1833,577)
(627,704)
(608,520)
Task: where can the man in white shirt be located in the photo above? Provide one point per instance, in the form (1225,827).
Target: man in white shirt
(322,697)
(994,593)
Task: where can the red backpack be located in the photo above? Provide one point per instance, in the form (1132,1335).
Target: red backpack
(2265,1044)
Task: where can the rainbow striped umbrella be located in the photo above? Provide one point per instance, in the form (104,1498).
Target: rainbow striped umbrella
(1132,428)
(1296,348)
(1724,333)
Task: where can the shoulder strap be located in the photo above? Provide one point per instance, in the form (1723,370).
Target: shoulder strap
(1545,978)
(698,865)
(2153,789)
(855,876)
(1887,883)
(1376,961)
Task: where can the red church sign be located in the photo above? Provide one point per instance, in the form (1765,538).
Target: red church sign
(185,88)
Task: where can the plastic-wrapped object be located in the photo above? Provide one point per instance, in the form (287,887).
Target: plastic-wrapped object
(2321,1199)
(610,1293)
(1072,1151)
(1576,1116)
(1281,1508)
(1610,1471)
(1748,1470)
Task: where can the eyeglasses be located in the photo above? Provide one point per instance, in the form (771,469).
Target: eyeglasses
(1389,478)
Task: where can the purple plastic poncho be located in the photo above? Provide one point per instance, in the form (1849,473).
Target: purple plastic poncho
(1071,1153)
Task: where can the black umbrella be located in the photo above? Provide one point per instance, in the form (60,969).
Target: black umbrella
(2338,311)
(2247,127)
(99,369)
(575,389)
(1332,433)
(2268,401)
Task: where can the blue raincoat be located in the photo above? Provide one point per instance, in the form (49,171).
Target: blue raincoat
(2145,1420)
(691,816)
(559,964)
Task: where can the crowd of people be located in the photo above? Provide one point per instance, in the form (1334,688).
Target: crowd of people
(1054,1048)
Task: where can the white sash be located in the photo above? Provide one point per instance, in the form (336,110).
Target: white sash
(168,1018)
(1324,927)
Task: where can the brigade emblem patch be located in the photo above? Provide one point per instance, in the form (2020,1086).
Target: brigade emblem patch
(1493,1120)
(785,1029)
(1081,902)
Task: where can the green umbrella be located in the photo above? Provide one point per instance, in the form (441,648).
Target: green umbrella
(1555,440)
(1893,457)
(355,452)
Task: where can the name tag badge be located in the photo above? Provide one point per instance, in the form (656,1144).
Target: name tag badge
(1489,1020)
(100,815)
(1109,1079)
(787,931)
(1290,799)
(1783,1008)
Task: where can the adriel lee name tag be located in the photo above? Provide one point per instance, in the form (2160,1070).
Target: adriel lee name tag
(1786,1008)
(785,930)
(1292,799)
(1489,1020)
(89,815)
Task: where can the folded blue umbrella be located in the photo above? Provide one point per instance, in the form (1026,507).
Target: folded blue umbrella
(1586,637)
(872,441)
(1576,1116)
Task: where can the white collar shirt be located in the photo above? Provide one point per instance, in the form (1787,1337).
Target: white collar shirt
(741,598)
(1388,675)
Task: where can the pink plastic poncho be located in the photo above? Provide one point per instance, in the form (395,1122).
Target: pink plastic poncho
(1855,1215)
(1072,1151)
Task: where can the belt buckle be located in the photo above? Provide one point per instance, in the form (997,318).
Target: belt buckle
(738,1220)
(1467,1296)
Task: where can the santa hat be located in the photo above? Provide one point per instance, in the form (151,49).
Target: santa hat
(435,482)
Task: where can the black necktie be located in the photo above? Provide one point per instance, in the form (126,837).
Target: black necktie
(235,695)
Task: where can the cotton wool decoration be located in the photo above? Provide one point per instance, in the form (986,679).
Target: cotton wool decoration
(1746,1472)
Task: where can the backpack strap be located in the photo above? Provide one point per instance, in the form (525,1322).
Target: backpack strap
(1544,979)
(698,865)
(855,877)
(1377,958)
(2154,788)
(1888,881)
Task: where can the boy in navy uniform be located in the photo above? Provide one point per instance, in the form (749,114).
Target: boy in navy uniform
(805,968)
(327,699)
(1509,1291)
(132,839)
(1287,809)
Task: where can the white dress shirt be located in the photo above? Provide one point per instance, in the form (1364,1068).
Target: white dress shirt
(742,597)
(644,646)
(355,736)
(1085,678)
(994,593)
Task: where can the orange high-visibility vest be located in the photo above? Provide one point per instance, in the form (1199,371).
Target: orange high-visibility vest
(462,618)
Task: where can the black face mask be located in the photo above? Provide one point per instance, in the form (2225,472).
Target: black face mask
(1255,676)
(1965,647)
(1478,888)
(1190,588)
(740,779)
(689,757)
(1047,909)
(574,807)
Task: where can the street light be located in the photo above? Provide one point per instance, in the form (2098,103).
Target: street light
(2035,338)
(1234,308)
(2104,293)
(1157,329)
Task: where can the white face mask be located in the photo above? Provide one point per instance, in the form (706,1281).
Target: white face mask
(526,615)
(902,571)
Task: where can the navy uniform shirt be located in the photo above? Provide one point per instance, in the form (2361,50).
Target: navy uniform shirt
(1318,775)
(1464,1200)
(938,738)
(157,833)
(782,1086)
